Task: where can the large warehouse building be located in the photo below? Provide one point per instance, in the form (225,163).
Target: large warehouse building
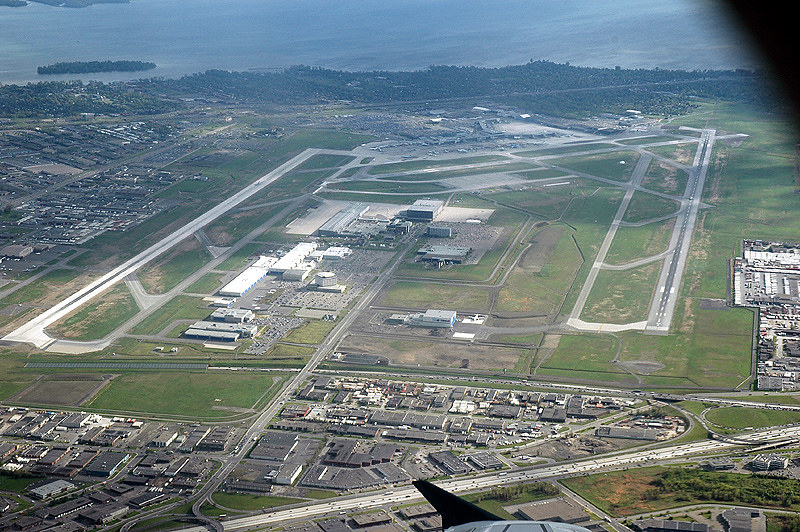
(248,278)
(339,222)
(434,318)
(424,210)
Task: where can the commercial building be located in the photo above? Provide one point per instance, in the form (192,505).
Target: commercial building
(105,464)
(16,251)
(440,231)
(769,462)
(424,210)
(234,315)
(51,489)
(296,274)
(443,254)
(433,318)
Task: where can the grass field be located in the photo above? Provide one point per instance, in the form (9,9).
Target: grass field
(424,295)
(584,356)
(736,417)
(645,206)
(312,332)
(43,289)
(99,317)
(710,348)
(185,394)
(207,284)
(540,281)
(649,489)
(388,187)
(168,270)
(178,308)
(636,242)
(666,178)
(617,165)
(622,296)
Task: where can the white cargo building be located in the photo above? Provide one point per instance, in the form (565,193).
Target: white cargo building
(248,278)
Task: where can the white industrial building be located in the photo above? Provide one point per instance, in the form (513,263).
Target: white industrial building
(294,257)
(248,278)
(433,318)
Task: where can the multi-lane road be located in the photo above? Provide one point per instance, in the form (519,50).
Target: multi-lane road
(393,497)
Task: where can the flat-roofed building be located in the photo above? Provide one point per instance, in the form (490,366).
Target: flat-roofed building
(424,210)
(558,509)
(232,315)
(337,223)
(434,318)
(440,231)
(245,330)
(248,278)
(294,257)
(444,254)
(16,251)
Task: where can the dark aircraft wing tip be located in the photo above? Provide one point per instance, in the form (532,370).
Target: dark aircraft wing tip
(453,509)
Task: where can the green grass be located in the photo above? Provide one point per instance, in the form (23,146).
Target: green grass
(246,502)
(185,394)
(207,284)
(408,166)
(100,317)
(422,295)
(584,356)
(176,265)
(634,491)
(16,483)
(663,177)
(241,257)
(631,243)
(605,165)
(645,206)
(323,160)
(463,172)
(36,290)
(542,292)
(622,296)
(736,417)
(312,332)
(178,308)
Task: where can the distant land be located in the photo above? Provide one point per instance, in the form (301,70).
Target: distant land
(61,3)
(83,67)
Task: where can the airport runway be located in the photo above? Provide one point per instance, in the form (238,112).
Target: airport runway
(669,280)
(33,331)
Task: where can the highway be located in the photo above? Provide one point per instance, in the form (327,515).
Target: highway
(33,331)
(669,280)
(376,499)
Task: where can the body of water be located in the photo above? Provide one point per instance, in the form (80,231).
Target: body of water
(186,36)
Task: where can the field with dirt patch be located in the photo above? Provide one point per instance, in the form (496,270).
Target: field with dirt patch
(69,389)
(446,354)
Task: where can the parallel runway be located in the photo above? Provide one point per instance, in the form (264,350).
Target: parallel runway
(669,280)
(33,332)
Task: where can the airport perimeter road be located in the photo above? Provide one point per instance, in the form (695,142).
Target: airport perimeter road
(408,493)
(669,280)
(33,332)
